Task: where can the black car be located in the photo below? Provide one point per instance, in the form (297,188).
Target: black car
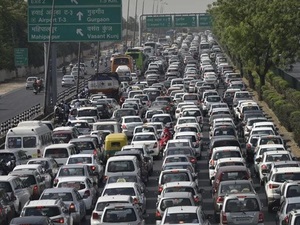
(104,111)
(7,209)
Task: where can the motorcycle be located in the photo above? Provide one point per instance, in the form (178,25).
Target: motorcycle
(166,136)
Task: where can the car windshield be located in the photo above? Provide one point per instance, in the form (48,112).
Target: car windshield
(242,204)
(80,160)
(119,215)
(145,137)
(119,191)
(165,203)
(49,211)
(120,166)
(64,196)
(235,188)
(181,218)
(174,176)
(122,178)
(72,184)
(64,172)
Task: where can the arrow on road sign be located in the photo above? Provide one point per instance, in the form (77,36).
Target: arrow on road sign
(74,1)
(79,14)
(79,31)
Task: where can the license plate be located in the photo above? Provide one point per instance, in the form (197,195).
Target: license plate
(242,219)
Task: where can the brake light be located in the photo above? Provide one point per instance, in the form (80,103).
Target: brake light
(155,145)
(135,201)
(261,217)
(72,206)
(35,188)
(86,194)
(264,167)
(220,199)
(272,186)
(124,126)
(58,220)
(157,215)
(196,199)
(193,160)
(95,152)
(248,146)
(93,168)
(286,219)
(55,181)
(160,189)
(224,218)
(95,216)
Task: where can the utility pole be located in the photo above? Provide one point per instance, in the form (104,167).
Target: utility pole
(135,23)
(127,23)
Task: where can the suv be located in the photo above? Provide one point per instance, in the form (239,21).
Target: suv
(293,217)
(15,188)
(56,210)
(242,208)
(276,178)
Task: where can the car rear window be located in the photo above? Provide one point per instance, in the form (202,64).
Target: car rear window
(242,205)
(28,179)
(180,189)
(101,205)
(226,154)
(120,166)
(174,176)
(234,175)
(72,184)
(83,145)
(282,177)
(80,160)
(5,186)
(65,196)
(165,203)
(119,215)
(119,191)
(235,188)
(64,172)
(56,153)
(42,211)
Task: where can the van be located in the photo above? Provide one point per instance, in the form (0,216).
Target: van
(112,125)
(29,136)
(60,152)
(126,164)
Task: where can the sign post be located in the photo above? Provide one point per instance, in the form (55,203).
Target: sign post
(75,20)
(185,21)
(21,56)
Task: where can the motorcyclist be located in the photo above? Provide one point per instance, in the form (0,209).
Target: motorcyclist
(166,132)
(39,84)
(35,85)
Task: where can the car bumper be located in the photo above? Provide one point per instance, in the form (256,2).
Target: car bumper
(88,203)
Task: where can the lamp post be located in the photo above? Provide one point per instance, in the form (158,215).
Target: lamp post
(127,23)
(135,22)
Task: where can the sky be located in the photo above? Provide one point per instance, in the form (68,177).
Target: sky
(168,6)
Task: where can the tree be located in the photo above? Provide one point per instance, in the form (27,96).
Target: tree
(255,32)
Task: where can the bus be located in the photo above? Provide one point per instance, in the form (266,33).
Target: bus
(139,57)
(30,136)
(121,60)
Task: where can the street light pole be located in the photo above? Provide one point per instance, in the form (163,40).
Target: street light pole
(135,22)
(127,23)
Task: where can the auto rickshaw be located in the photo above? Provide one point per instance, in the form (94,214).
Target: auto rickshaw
(113,143)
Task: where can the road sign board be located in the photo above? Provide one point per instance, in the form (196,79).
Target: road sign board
(185,21)
(75,20)
(158,21)
(204,20)
(21,56)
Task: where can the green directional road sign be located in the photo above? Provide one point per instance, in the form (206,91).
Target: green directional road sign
(204,20)
(21,56)
(75,20)
(185,21)
(158,21)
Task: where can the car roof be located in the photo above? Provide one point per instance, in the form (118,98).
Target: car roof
(108,198)
(177,195)
(231,168)
(58,190)
(72,178)
(48,202)
(121,184)
(181,209)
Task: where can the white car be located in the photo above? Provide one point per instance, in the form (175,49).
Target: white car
(185,120)
(85,188)
(129,123)
(150,140)
(194,138)
(68,80)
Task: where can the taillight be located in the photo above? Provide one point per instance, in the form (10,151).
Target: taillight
(124,126)
(135,201)
(193,160)
(220,199)
(58,220)
(72,206)
(196,199)
(286,219)
(248,146)
(224,218)
(35,188)
(261,217)
(93,168)
(160,189)
(86,194)
(95,152)
(157,215)
(271,186)
(264,167)
(95,216)
(155,145)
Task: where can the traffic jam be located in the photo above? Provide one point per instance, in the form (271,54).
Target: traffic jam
(186,143)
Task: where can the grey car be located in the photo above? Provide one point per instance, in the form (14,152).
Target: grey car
(242,209)
(69,196)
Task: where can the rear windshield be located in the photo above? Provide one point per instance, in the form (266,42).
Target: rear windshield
(282,177)
(174,177)
(179,152)
(176,159)
(191,97)
(190,137)
(105,127)
(84,145)
(80,160)
(87,112)
(277,157)
(163,119)
(61,137)
(242,205)
(180,189)
(223,143)
(234,175)
(120,166)
(28,179)
(121,178)
(5,186)
(65,172)
(56,153)
(165,203)
(101,205)
(226,154)
(72,184)
(119,191)
(65,196)
(191,113)
(49,211)
(235,188)
(271,140)
(119,215)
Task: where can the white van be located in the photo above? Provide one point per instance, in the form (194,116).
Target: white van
(126,164)
(60,152)
(30,136)
(113,126)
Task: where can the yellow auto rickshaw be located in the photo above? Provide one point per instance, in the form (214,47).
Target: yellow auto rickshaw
(113,143)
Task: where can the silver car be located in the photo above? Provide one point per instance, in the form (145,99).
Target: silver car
(242,209)
(70,196)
